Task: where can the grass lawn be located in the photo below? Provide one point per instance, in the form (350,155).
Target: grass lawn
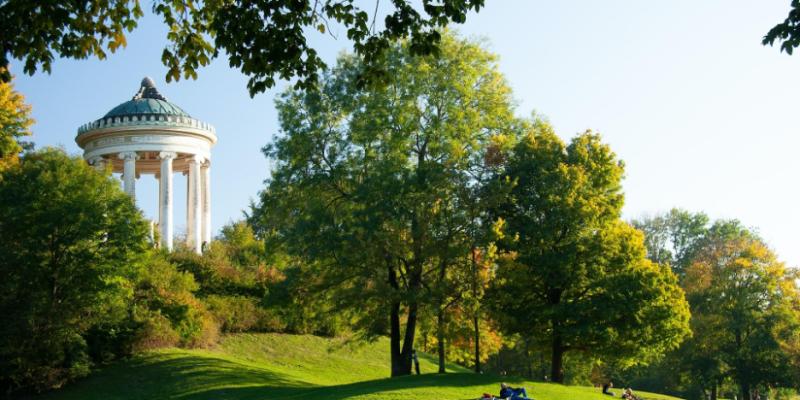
(274,366)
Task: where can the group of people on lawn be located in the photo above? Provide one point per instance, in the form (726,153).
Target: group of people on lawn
(627,394)
(509,393)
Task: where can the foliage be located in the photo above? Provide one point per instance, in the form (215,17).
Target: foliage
(242,314)
(573,272)
(459,337)
(302,309)
(726,271)
(266,39)
(745,308)
(786,32)
(71,242)
(671,237)
(15,122)
(217,274)
(368,184)
(240,245)
(166,310)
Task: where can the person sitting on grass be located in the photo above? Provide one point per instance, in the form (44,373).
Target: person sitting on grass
(607,386)
(507,392)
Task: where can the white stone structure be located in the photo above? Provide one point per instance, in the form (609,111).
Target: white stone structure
(150,135)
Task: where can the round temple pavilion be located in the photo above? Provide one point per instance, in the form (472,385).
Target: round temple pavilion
(150,135)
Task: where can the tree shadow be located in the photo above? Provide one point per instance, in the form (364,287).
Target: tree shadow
(346,391)
(202,377)
(154,376)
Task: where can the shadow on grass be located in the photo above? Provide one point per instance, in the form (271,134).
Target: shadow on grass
(156,376)
(200,377)
(345,391)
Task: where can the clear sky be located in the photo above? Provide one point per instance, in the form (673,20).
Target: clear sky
(704,117)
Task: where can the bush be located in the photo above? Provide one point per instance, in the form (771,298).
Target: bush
(71,241)
(167,312)
(215,274)
(154,331)
(242,314)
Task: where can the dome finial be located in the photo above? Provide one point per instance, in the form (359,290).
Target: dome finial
(147,82)
(148,90)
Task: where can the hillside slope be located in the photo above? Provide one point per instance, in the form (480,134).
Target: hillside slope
(273,366)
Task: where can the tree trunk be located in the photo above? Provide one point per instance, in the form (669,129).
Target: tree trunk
(528,357)
(440,339)
(398,365)
(475,318)
(394,340)
(477,344)
(713,391)
(408,340)
(557,362)
(745,389)
(500,361)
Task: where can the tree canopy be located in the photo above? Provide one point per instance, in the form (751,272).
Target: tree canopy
(370,186)
(671,238)
(71,238)
(575,276)
(266,39)
(15,122)
(745,308)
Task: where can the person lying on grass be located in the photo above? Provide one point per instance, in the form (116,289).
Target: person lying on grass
(628,395)
(507,392)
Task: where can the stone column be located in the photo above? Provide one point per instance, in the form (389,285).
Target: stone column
(165,199)
(206,184)
(160,213)
(194,227)
(129,172)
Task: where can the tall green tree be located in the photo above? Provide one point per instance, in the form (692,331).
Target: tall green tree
(745,308)
(369,184)
(265,39)
(575,274)
(71,240)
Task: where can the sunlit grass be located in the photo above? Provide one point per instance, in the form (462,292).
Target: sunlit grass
(273,366)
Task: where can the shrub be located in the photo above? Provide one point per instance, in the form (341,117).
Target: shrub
(71,240)
(154,331)
(242,314)
(166,310)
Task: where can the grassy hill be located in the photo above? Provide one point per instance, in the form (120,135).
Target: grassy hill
(273,366)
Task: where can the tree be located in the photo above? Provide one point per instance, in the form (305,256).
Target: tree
(240,245)
(671,237)
(745,309)
(71,243)
(266,39)
(786,32)
(711,260)
(15,122)
(368,183)
(574,272)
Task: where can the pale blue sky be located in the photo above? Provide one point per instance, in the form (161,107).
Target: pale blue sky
(703,115)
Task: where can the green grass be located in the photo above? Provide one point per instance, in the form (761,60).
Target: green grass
(273,366)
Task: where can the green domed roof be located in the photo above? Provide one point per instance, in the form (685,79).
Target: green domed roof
(147,101)
(146,106)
